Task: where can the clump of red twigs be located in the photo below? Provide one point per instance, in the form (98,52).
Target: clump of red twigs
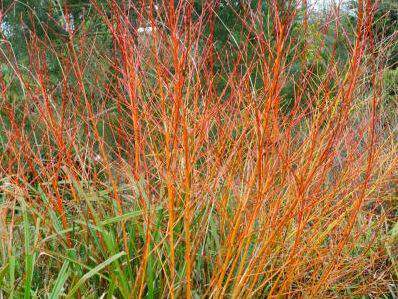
(262,154)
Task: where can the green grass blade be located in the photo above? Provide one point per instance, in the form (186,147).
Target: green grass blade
(29,257)
(61,279)
(11,274)
(93,272)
